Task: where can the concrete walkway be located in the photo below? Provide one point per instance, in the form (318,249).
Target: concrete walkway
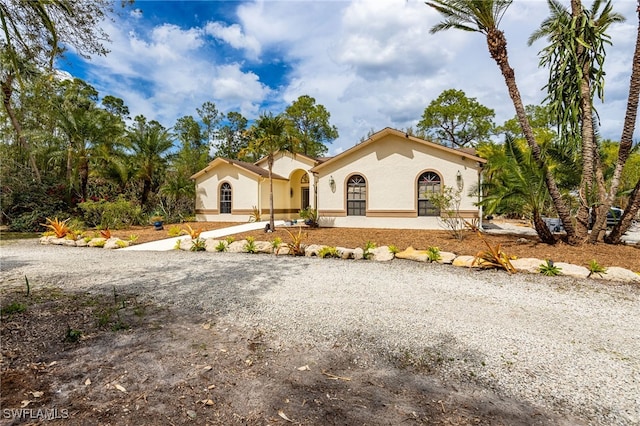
(169,243)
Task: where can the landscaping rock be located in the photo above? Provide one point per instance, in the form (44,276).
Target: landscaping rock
(412,254)
(186,244)
(97,242)
(312,250)
(115,243)
(446,257)
(381,254)
(358,253)
(528,264)
(344,253)
(263,247)
(615,273)
(69,243)
(81,243)
(572,270)
(283,250)
(236,246)
(210,244)
(466,261)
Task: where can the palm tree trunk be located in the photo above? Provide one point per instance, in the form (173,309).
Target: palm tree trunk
(545,235)
(627,217)
(626,142)
(497,45)
(7,91)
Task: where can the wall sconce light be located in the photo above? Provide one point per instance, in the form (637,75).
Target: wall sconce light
(291,192)
(459,181)
(332,184)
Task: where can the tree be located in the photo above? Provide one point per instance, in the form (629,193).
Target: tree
(309,123)
(149,143)
(232,136)
(626,144)
(268,136)
(575,57)
(516,182)
(484,17)
(456,120)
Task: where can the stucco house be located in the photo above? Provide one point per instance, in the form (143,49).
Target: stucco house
(382,182)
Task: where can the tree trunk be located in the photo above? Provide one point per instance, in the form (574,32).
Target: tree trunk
(498,48)
(545,235)
(627,217)
(7,91)
(626,141)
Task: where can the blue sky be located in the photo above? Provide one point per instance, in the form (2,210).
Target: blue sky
(371,63)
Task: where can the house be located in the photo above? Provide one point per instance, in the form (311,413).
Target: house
(382,182)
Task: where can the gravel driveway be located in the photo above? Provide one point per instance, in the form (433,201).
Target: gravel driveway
(569,346)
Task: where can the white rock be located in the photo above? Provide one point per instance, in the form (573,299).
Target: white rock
(528,264)
(237,246)
(312,250)
(81,243)
(264,247)
(344,253)
(358,253)
(186,244)
(615,273)
(68,242)
(572,270)
(210,244)
(381,254)
(283,249)
(466,261)
(446,257)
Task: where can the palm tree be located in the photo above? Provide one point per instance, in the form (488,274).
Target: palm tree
(484,16)
(575,57)
(626,143)
(267,137)
(516,181)
(149,143)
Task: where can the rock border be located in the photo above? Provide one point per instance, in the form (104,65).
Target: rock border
(377,254)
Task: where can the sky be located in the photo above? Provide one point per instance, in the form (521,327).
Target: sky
(371,63)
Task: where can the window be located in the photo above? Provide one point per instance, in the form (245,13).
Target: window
(356,196)
(428,183)
(225,198)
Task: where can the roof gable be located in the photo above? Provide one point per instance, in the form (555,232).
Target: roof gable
(249,167)
(393,132)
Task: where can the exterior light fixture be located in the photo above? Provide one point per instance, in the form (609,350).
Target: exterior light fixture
(459,181)
(332,184)
(291,192)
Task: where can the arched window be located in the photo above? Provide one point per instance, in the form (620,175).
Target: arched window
(225,198)
(428,183)
(356,196)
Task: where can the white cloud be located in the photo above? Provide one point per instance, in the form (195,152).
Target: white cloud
(235,87)
(233,35)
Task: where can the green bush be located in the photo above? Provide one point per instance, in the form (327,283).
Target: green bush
(117,214)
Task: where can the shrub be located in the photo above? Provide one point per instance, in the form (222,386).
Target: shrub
(549,269)
(433,254)
(595,268)
(328,251)
(111,214)
(255,215)
(198,244)
(393,249)
(250,245)
(174,231)
(222,246)
(57,226)
(310,217)
(366,253)
(296,246)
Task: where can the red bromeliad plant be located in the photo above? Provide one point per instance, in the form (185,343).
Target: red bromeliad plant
(58,227)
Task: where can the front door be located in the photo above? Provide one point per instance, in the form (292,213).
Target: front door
(305,198)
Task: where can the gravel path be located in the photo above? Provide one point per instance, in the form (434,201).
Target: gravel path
(568,345)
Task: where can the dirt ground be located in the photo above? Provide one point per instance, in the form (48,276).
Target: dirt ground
(85,359)
(112,359)
(624,256)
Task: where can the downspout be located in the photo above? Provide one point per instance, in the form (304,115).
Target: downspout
(260,195)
